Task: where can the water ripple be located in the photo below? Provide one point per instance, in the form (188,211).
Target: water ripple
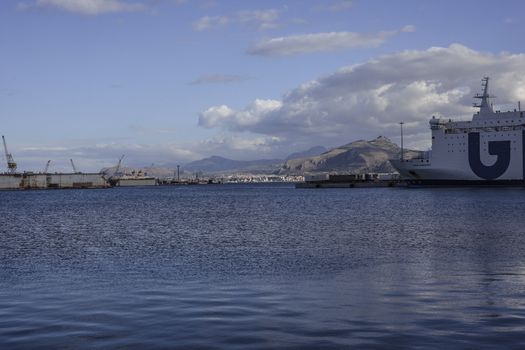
(262,267)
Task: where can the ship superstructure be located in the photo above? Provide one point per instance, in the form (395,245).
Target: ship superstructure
(487,150)
(136,178)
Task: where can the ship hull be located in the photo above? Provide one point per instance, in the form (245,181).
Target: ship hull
(469,159)
(132,182)
(415,173)
(465,183)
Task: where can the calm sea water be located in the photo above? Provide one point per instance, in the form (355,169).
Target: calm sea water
(262,267)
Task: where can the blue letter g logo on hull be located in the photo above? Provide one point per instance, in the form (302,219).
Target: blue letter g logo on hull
(501,149)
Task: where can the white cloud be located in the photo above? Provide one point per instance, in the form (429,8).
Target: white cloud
(88,7)
(215,116)
(210,22)
(238,120)
(369,99)
(319,42)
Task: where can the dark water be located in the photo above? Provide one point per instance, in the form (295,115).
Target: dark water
(262,267)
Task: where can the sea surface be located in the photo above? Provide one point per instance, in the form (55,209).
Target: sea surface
(262,267)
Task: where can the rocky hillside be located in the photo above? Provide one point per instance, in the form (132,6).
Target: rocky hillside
(314,151)
(355,157)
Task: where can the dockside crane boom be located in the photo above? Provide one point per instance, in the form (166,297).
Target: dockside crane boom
(11,165)
(47,166)
(117,170)
(115,177)
(73,165)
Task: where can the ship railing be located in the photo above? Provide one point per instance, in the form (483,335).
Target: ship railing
(494,128)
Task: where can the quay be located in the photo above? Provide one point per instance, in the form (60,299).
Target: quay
(28,181)
(351,181)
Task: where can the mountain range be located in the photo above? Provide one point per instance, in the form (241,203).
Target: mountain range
(356,157)
(360,156)
(216,164)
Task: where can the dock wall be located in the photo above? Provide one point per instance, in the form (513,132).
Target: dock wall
(48,181)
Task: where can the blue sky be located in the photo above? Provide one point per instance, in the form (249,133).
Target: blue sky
(170,81)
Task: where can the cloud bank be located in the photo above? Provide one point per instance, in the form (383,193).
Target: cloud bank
(370,99)
(93,158)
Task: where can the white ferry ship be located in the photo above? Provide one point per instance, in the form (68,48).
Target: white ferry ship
(134,179)
(487,150)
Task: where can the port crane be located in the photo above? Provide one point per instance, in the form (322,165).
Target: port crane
(11,165)
(47,166)
(114,178)
(73,166)
(117,170)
